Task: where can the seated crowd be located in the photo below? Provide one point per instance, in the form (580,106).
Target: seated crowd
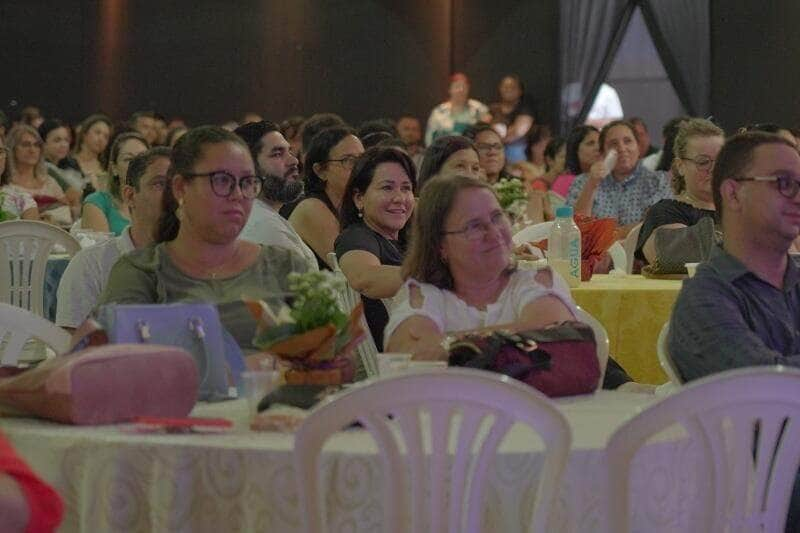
(212,213)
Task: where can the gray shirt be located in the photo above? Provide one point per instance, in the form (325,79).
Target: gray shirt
(148,276)
(726,317)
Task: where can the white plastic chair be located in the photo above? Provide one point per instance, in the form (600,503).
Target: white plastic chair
(665,359)
(600,337)
(533,233)
(349,298)
(629,244)
(489,404)
(17,326)
(24,248)
(746,426)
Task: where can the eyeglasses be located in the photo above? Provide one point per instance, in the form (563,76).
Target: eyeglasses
(485,147)
(347,161)
(476,229)
(223,183)
(30,144)
(702,162)
(787,185)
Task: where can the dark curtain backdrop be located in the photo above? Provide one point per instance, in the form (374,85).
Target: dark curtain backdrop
(681,32)
(590,34)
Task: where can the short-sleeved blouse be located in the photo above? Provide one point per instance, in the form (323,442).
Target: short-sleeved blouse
(450,313)
(105,203)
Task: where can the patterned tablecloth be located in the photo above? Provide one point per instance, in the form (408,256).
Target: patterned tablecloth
(633,309)
(243,481)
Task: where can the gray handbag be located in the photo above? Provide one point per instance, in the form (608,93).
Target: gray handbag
(195,327)
(677,246)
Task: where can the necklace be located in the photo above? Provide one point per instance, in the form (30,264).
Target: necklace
(689,198)
(200,270)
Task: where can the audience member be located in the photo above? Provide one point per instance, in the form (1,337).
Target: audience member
(106,210)
(513,116)
(60,166)
(457,113)
(376,208)
(623,192)
(409,130)
(555,158)
(328,163)
(144,123)
(583,150)
(278,167)
(459,274)
(642,137)
(532,166)
(31,116)
(491,155)
(86,274)
(696,147)
(742,307)
(16,203)
(454,154)
(198,256)
(5,124)
(315,124)
(175,133)
(662,159)
(769,127)
(160,124)
(251,116)
(93,136)
(291,131)
(26,172)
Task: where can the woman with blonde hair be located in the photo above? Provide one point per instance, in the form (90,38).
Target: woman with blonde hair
(696,146)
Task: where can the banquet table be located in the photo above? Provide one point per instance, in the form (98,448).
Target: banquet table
(633,310)
(112,480)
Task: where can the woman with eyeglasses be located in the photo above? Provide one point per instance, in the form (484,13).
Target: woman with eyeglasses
(106,211)
(14,203)
(460,276)
(26,173)
(198,256)
(327,166)
(696,146)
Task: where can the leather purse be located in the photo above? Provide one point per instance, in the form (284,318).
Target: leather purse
(195,327)
(559,360)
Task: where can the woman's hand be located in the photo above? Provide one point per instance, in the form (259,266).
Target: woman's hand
(597,172)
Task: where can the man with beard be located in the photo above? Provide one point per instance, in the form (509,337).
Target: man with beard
(276,163)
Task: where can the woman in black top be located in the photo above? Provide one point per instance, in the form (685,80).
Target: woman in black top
(696,147)
(328,163)
(377,206)
(515,113)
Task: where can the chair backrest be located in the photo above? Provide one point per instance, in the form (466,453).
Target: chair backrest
(17,326)
(24,248)
(665,359)
(533,233)
(629,244)
(745,425)
(473,408)
(600,337)
(348,298)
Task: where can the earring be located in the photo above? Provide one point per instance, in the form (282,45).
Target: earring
(360,214)
(179,209)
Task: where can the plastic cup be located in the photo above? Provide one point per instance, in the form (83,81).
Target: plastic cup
(257,384)
(392,362)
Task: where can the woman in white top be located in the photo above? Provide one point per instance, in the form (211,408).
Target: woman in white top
(460,275)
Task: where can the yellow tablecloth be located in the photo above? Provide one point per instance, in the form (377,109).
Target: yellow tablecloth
(633,309)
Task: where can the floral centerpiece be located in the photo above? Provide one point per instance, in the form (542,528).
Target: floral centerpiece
(5,215)
(512,197)
(311,334)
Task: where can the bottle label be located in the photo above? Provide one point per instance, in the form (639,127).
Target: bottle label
(574,256)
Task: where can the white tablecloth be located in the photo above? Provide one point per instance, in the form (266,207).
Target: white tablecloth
(243,481)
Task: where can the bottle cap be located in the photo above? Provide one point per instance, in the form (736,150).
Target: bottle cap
(564,211)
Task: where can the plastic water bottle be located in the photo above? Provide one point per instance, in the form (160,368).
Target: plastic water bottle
(564,247)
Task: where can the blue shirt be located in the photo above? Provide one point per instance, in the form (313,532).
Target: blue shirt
(726,317)
(625,200)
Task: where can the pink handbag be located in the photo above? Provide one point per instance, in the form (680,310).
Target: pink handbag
(105,385)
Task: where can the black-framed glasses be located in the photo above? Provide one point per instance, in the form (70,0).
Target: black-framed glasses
(701,162)
(474,230)
(787,186)
(346,161)
(223,183)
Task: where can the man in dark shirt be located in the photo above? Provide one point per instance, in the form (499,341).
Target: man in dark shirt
(742,308)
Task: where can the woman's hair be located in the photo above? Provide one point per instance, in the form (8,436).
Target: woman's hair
(173,132)
(319,152)
(574,140)
(472,132)
(185,154)
(438,153)
(692,128)
(551,150)
(49,125)
(423,261)
(13,138)
(114,181)
(668,132)
(86,125)
(614,124)
(364,171)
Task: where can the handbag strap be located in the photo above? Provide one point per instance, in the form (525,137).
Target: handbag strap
(196,327)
